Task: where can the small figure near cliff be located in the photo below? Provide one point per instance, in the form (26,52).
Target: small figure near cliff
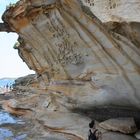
(7,87)
(94,134)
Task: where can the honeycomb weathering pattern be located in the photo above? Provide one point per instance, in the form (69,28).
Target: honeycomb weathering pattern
(115,10)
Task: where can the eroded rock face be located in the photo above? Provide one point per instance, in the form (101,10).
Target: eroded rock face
(79,63)
(66,47)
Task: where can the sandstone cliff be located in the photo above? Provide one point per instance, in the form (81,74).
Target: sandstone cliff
(81,63)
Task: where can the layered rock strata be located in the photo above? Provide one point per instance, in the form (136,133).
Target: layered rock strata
(80,64)
(67,47)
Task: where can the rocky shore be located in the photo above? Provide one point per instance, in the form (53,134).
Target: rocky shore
(30,104)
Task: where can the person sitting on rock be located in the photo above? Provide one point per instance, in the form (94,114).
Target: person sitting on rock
(94,134)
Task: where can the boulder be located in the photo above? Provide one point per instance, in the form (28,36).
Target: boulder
(124,125)
(137,134)
(116,136)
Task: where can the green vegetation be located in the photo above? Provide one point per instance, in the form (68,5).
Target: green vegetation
(16,45)
(10,5)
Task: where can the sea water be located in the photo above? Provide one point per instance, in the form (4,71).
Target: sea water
(6,122)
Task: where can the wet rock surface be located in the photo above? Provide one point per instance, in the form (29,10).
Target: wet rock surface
(11,127)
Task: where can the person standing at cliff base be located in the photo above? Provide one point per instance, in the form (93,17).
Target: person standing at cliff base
(94,134)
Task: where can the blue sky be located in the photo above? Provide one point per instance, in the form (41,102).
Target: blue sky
(11,65)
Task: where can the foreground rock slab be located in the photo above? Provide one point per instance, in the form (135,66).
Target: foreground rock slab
(116,136)
(137,135)
(124,125)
